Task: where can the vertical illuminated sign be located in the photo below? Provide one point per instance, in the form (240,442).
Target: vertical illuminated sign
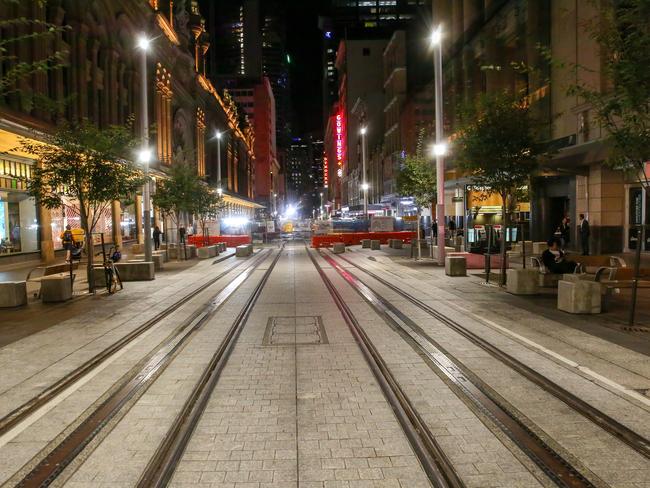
(339,144)
(326,172)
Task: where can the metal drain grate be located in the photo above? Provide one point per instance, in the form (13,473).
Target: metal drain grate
(288,331)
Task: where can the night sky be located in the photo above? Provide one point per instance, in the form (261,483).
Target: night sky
(305,48)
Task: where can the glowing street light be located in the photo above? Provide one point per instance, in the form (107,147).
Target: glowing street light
(440,148)
(364,185)
(144,44)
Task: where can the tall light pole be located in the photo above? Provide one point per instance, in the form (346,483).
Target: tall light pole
(440,149)
(321,205)
(219,188)
(145,155)
(364,185)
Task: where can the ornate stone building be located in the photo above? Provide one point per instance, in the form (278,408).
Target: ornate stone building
(100,80)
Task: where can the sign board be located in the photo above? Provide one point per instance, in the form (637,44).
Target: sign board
(381,224)
(270,226)
(322,227)
(410,218)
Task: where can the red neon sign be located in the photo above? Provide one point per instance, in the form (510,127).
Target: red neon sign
(326,172)
(339,142)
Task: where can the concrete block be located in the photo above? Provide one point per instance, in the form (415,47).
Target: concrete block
(56,288)
(137,249)
(397,244)
(522,281)
(163,247)
(455,266)
(13,294)
(448,249)
(156,258)
(243,251)
(339,248)
(578,277)
(163,253)
(135,271)
(207,252)
(578,296)
(365,243)
(375,245)
(190,250)
(539,248)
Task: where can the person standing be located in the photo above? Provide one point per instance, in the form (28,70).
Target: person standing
(565,231)
(584,235)
(67,239)
(156,237)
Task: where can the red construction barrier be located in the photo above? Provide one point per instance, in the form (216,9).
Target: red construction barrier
(230,240)
(354,238)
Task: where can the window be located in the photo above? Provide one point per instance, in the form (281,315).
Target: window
(163,110)
(200,142)
(366,51)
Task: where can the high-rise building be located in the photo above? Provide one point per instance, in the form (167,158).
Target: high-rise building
(236,38)
(298,169)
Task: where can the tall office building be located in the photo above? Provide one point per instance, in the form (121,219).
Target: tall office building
(236,38)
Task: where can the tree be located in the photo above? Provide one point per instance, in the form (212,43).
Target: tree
(497,147)
(417,179)
(622,30)
(208,205)
(176,195)
(18,29)
(83,167)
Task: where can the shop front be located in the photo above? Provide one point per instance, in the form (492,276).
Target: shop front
(19,225)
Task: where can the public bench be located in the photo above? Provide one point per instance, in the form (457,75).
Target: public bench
(589,264)
(37,274)
(612,279)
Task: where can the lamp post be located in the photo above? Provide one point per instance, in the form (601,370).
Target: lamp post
(364,185)
(219,136)
(145,154)
(321,205)
(440,148)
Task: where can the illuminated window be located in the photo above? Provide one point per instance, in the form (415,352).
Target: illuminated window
(200,142)
(163,108)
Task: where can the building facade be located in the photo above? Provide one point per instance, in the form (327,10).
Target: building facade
(100,82)
(576,180)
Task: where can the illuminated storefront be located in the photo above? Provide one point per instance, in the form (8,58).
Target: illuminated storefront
(18,216)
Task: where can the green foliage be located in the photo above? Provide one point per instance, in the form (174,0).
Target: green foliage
(176,194)
(623,32)
(417,179)
(208,205)
(497,144)
(25,30)
(84,164)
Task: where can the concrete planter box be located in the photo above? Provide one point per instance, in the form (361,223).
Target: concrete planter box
(522,281)
(243,251)
(339,248)
(365,243)
(455,266)
(375,244)
(56,288)
(162,253)
(13,294)
(156,258)
(207,252)
(447,251)
(395,243)
(137,249)
(579,297)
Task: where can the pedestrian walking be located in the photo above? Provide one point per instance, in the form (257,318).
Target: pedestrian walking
(565,232)
(67,238)
(181,233)
(584,234)
(156,237)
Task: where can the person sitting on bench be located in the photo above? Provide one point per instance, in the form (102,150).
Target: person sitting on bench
(555,260)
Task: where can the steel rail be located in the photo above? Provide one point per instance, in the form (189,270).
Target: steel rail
(612,426)
(434,461)
(552,463)
(64,453)
(161,467)
(20,413)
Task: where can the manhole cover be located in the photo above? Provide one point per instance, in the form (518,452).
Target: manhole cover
(283,331)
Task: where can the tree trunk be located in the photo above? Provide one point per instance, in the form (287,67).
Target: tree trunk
(418,224)
(504,230)
(90,249)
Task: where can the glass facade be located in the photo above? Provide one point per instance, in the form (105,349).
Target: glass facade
(18,216)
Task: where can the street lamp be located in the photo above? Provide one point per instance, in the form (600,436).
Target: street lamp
(321,205)
(440,148)
(219,135)
(364,186)
(145,155)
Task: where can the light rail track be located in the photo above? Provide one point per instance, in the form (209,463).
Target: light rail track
(435,463)
(634,440)
(553,464)
(160,469)
(57,459)
(20,413)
